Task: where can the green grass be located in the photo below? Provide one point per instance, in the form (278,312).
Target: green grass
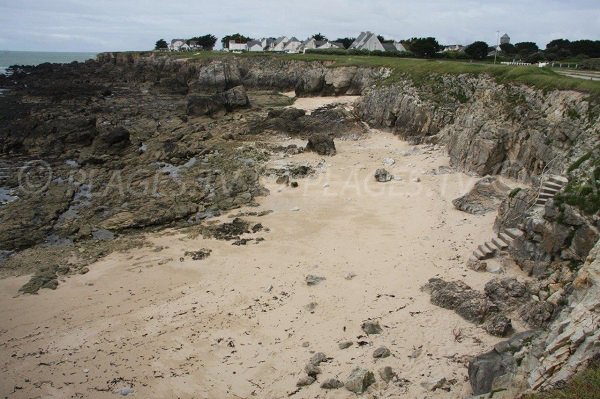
(421,69)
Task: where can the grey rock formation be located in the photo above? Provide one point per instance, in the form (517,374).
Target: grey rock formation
(371,327)
(359,380)
(318,358)
(484,197)
(458,296)
(332,383)
(387,373)
(305,381)
(381,352)
(383,176)
(322,144)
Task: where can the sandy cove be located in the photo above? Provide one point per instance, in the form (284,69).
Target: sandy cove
(237,324)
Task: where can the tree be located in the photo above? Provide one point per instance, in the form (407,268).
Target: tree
(508,49)
(236,37)
(207,41)
(161,45)
(477,50)
(319,37)
(424,46)
(558,44)
(590,48)
(525,49)
(346,41)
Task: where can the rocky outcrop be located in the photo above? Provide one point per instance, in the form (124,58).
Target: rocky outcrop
(322,144)
(489,128)
(553,355)
(484,197)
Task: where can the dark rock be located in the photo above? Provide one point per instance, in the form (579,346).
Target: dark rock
(321,143)
(381,352)
(332,383)
(371,327)
(305,381)
(313,280)
(483,369)
(318,358)
(383,176)
(294,184)
(199,105)
(513,209)
(116,136)
(227,231)
(506,292)
(485,196)
(584,240)
(200,254)
(345,345)
(285,179)
(536,314)
(468,303)
(387,373)
(359,380)
(103,235)
(257,227)
(312,370)
(498,325)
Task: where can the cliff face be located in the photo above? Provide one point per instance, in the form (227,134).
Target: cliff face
(489,128)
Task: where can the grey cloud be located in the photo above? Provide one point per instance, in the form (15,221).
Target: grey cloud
(100,25)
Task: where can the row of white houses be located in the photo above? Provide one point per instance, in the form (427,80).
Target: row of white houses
(365,41)
(282,44)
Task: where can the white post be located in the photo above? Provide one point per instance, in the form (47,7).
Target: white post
(497,45)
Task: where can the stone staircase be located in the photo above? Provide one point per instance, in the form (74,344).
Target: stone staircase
(499,243)
(550,187)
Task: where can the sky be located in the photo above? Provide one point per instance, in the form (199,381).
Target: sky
(109,25)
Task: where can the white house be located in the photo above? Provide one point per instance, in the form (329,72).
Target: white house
(267,43)
(311,44)
(367,41)
(279,44)
(328,45)
(255,45)
(236,47)
(454,47)
(178,45)
(292,46)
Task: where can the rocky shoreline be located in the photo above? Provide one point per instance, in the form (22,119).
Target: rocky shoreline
(98,154)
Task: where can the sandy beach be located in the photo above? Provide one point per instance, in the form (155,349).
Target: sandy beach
(243,322)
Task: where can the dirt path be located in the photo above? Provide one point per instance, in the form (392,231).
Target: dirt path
(237,324)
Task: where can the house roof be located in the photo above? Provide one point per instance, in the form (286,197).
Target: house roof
(280,40)
(173,41)
(389,46)
(337,44)
(362,39)
(505,36)
(254,43)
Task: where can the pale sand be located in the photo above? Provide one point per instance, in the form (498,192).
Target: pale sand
(309,104)
(209,329)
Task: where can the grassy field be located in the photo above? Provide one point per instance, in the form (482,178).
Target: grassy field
(420,69)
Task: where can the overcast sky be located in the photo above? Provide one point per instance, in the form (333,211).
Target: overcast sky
(101,25)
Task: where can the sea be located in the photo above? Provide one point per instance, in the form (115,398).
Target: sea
(9,58)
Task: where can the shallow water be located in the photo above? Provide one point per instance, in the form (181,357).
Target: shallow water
(8,58)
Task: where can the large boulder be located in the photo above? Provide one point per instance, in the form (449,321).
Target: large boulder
(458,296)
(359,380)
(321,143)
(484,197)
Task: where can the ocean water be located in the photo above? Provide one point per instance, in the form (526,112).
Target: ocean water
(8,58)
